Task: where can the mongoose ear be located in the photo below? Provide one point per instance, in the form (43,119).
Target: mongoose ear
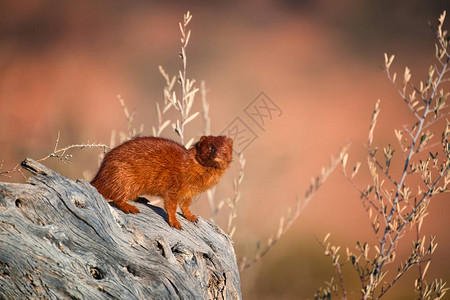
(202,139)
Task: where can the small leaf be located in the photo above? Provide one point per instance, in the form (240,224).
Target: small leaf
(158,111)
(344,160)
(191,93)
(280,228)
(232,231)
(356,169)
(375,113)
(189,143)
(425,269)
(388,61)
(190,118)
(187,37)
(406,76)
(164,125)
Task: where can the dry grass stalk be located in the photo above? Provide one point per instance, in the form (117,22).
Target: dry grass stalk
(231,202)
(205,111)
(184,105)
(214,210)
(237,182)
(132,132)
(188,91)
(129,134)
(393,205)
(167,103)
(285,224)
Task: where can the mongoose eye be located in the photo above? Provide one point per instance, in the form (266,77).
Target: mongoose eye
(212,151)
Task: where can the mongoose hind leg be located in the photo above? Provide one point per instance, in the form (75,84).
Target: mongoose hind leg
(184,205)
(125,207)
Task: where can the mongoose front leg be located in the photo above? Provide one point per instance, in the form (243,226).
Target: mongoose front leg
(171,209)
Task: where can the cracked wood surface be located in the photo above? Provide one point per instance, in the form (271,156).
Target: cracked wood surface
(60,239)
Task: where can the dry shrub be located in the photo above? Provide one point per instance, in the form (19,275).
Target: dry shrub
(396,201)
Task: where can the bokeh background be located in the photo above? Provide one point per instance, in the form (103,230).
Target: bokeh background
(62,64)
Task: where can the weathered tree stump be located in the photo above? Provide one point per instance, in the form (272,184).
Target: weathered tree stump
(60,239)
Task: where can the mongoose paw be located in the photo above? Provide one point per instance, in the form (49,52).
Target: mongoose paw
(133,210)
(127,208)
(192,218)
(175,224)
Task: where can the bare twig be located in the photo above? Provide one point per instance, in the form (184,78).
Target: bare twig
(61,154)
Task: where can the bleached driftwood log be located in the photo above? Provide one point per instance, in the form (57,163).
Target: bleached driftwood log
(60,239)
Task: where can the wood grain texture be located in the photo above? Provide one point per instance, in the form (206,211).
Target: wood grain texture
(60,239)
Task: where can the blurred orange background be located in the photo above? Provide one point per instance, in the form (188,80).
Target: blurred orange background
(62,64)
